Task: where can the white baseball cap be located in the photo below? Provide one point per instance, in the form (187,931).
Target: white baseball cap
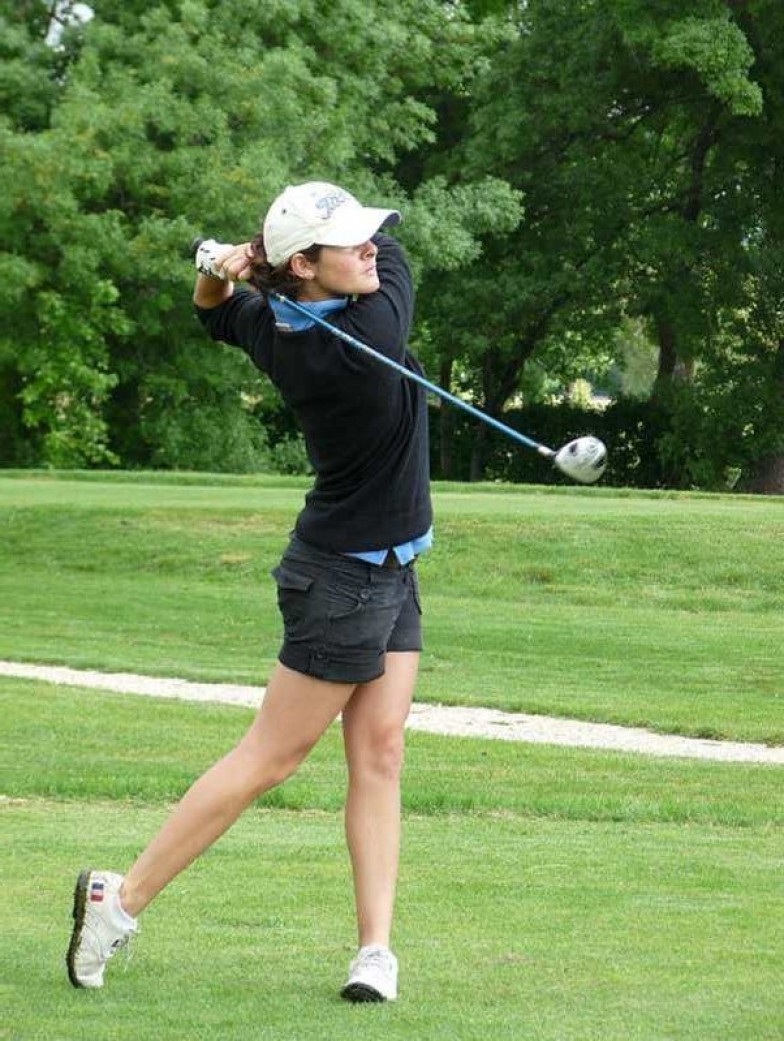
(319,213)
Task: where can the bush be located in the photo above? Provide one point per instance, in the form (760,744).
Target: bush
(632,430)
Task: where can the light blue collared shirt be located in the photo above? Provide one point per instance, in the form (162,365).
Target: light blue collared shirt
(405,552)
(288,320)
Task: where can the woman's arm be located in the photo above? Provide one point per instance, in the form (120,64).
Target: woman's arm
(239,317)
(383,319)
(211,292)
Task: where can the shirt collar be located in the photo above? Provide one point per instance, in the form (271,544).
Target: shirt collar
(290,320)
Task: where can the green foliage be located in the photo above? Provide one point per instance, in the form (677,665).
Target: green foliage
(712,47)
(29,66)
(445,223)
(170,119)
(65,388)
(727,418)
(639,436)
(631,129)
(635,367)
(564,169)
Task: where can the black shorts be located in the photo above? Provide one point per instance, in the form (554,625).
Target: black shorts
(341,615)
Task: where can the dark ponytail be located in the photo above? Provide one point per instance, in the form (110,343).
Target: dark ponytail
(268,279)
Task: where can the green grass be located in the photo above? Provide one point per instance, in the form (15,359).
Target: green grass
(54,745)
(660,610)
(557,932)
(545,893)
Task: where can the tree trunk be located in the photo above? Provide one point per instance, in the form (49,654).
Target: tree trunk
(767,477)
(446,427)
(670,366)
(668,354)
(478,453)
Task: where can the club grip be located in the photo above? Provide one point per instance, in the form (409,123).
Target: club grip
(205,253)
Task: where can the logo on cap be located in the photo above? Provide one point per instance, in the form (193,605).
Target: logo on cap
(327,204)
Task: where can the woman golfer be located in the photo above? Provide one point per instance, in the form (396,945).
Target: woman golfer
(347,588)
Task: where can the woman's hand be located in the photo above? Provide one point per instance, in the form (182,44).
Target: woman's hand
(219,266)
(233,264)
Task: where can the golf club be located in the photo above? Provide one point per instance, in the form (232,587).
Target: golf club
(583,460)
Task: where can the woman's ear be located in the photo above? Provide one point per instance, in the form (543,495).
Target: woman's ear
(302,267)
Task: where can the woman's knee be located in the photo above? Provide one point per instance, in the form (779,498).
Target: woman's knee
(267,768)
(378,754)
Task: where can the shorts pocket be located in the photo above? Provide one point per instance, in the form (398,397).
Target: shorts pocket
(293,589)
(345,600)
(287,578)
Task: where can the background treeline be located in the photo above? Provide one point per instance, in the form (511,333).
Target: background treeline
(593,202)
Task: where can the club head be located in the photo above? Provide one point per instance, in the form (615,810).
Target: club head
(584,459)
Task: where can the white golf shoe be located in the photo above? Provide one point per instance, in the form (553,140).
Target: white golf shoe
(372,975)
(101,927)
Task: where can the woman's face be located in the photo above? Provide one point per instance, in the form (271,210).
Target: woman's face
(339,271)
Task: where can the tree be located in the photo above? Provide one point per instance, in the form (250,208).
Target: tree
(608,118)
(176,118)
(566,170)
(759,162)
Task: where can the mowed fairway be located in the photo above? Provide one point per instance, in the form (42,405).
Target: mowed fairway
(663,611)
(546,893)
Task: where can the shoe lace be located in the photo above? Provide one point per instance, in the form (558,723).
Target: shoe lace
(124,943)
(377,958)
(128,949)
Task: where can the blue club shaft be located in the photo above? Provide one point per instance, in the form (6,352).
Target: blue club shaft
(352,341)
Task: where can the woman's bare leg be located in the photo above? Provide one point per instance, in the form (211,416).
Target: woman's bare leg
(373,730)
(295,712)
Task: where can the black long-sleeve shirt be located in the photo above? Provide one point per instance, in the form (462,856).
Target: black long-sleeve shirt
(365,425)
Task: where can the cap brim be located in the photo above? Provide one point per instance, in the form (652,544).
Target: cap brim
(355,228)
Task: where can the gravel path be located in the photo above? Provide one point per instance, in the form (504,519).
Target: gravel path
(435,719)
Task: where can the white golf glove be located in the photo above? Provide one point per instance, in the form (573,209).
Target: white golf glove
(206,255)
